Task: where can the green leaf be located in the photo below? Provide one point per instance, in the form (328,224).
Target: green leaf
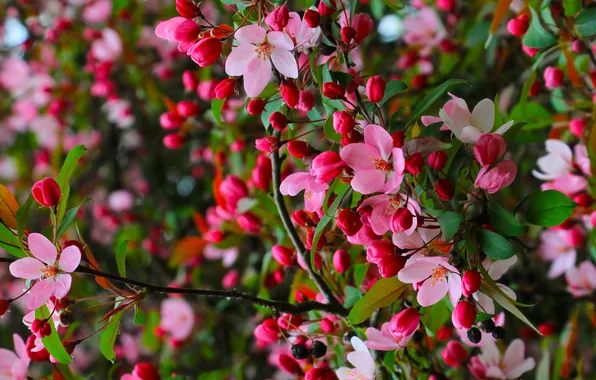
(329,214)
(432,97)
(494,245)
(436,316)
(503,222)
(359,273)
(69,217)
(538,37)
(449,222)
(216,107)
(149,339)
(571,7)
(329,131)
(543,368)
(121,257)
(15,251)
(140,316)
(70,163)
(532,113)
(352,295)
(549,208)
(109,335)
(585,22)
(501,298)
(382,294)
(393,88)
(478,34)
(23,219)
(52,342)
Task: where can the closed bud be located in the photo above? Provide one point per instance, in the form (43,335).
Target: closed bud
(262,172)
(255,107)
(470,282)
(146,371)
(518,26)
(419,81)
(446,5)
(349,221)
(398,138)
(380,249)
(583,199)
(553,77)
(437,160)
(375,88)
(187,108)
(301,218)
(225,88)
(454,354)
(352,138)
(4,304)
(170,120)
(547,328)
(186,9)
(404,323)
(46,192)
(289,93)
(173,141)
(267,144)
(348,34)
(577,126)
(327,326)
(306,101)
(535,88)
(268,331)
(289,322)
(575,236)
(249,222)
(333,90)
(415,163)
(401,220)
(289,364)
(299,149)
(278,120)
(489,148)
(190,81)
(205,52)
(278,19)
(321,373)
(390,266)
(444,333)
(343,122)
(463,315)
(312,18)
(327,166)
(444,189)
(363,25)
(36,356)
(283,255)
(324,10)
(341,260)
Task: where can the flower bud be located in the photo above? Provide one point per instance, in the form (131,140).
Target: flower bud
(4,304)
(312,18)
(529,51)
(320,373)
(448,46)
(301,218)
(324,10)
(170,120)
(278,120)
(535,88)
(333,90)
(454,354)
(518,26)
(446,5)
(249,222)
(547,328)
(375,89)
(341,261)
(575,236)
(348,34)
(267,144)
(464,315)
(415,163)
(437,160)
(225,88)
(363,25)
(186,9)
(262,172)
(470,282)
(444,333)
(349,221)
(255,107)
(404,323)
(146,371)
(187,108)
(327,326)
(576,126)
(189,80)
(46,192)
(343,122)
(352,138)
(398,138)
(230,279)
(444,189)
(289,93)
(306,101)
(287,363)
(299,149)
(489,148)
(583,199)
(380,249)
(390,266)
(268,331)
(419,81)
(36,356)
(205,52)
(327,166)
(283,255)
(173,141)
(401,220)
(553,77)
(278,19)
(289,322)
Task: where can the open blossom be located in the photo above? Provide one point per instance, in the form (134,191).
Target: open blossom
(490,364)
(361,359)
(555,248)
(252,58)
(314,192)
(437,276)
(560,162)
(177,318)
(495,269)
(581,281)
(371,162)
(385,206)
(423,30)
(304,36)
(469,126)
(51,271)
(382,340)
(14,365)
(108,48)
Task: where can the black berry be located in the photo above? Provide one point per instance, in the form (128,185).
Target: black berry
(300,352)
(488,326)
(499,333)
(348,336)
(474,335)
(318,349)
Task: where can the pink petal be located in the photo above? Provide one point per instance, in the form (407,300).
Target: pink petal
(499,267)
(380,220)
(256,77)
(165,29)
(250,34)
(294,183)
(359,156)
(416,272)
(238,60)
(399,161)
(313,201)
(27,268)
(378,341)
(405,241)
(63,283)
(41,293)
(470,135)
(364,362)
(517,371)
(562,264)
(280,40)
(69,259)
(20,348)
(42,248)
(454,281)
(428,120)
(393,183)
(380,139)
(285,63)
(484,115)
(368,181)
(514,355)
(431,291)
(7,359)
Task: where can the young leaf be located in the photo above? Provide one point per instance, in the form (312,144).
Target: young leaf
(382,294)
(435,316)
(538,37)
(503,222)
(52,342)
(432,97)
(69,217)
(109,335)
(359,273)
(63,178)
(549,208)
(449,222)
(393,88)
(494,245)
(352,295)
(140,316)
(121,257)
(216,107)
(8,207)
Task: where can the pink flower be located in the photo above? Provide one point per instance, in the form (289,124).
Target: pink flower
(554,247)
(304,36)
(51,271)
(489,148)
(370,161)
(491,365)
(361,359)
(582,280)
(227,255)
(98,11)
(559,161)
(253,57)
(121,200)
(493,179)
(14,365)
(119,112)
(423,29)
(177,318)
(382,340)
(108,48)
(437,276)
(384,206)
(314,192)
(553,77)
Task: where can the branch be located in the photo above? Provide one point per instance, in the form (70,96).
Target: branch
(280,306)
(291,230)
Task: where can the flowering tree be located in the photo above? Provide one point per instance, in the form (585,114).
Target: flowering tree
(318,190)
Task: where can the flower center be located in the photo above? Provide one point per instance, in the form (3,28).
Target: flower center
(439,274)
(50,271)
(392,205)
(380,164)
(264,51)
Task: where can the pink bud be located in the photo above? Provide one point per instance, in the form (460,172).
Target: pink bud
(464,315)
(145,371)
(170,120)
(327,166)
(575,236)
(404,323)
(186,9)
(278,120)
(289,321)
(267,144)
(446,5)
(529,51)
(401,220)
(324,10)
(268,331)
(583,199)
(249,222)
(348,34)
(553,77)
(341,260)
(255,107)
(327,326)
(518,26)
(283,255)
(437,160)
(363,25)
(289,93)
(380,249)
(375,89)
(225,88)
(4,304)
(230,279)
(262,172)
(489,148)
(205,52)
(390,266)
(173,141)
(349,221)
(187,108)
(278,19)
(287,363)
(454,354)
(299,149)
(333,90)
(312,18)
(343,122)
(46,192)
(306,101)
(415,163)
(470,282)
(577,126)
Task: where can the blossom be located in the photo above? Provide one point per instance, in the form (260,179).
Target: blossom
(469,126)
(14,365)
(494,178)
(361,359)
(51,271)
(382,340)
(301,33)
(177,318)
(252,58)
(495,269)
(370,161)
(554,248)
(108,48)
(559,161)
(423,29)
(384,206)
(437,276)
(314,192)
(490,364)
(581,280)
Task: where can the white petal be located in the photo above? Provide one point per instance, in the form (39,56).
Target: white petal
(285,63)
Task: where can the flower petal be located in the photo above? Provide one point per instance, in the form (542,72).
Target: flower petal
(27,268)
(63,283)
(416,272)
(431,291)
(454,281)
(250,34)
(359,156)
(42,248)
(379,138)
(238,60)
(41,292)
(484,115)
(285,63)
(294,183)
(70,259)
(256,77)
(368,181)
(280,40)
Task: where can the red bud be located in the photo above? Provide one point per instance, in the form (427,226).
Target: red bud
(255,106)
(464,315)
(46,192)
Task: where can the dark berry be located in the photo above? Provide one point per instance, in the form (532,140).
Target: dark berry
(318,349)
(348,336)
(300,352)
(474,335)
(499,333)
(488,326)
